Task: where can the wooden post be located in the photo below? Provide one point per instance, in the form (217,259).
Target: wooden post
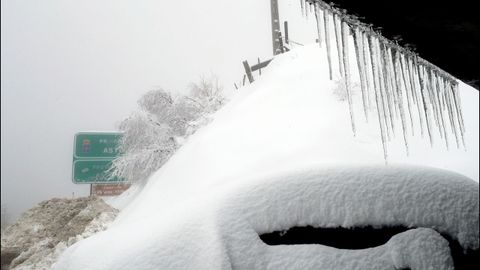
(260,65)
(275,27)
(244,77)
(285,29)
(282,48)
(248,71)
(260,69)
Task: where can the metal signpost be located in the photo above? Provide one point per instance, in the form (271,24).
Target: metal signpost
(93,155)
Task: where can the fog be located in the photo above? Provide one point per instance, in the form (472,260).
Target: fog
(70,66)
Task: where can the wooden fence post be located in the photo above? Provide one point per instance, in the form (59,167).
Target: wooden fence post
(260,69)
(285,29)
(282,48)
(248,71)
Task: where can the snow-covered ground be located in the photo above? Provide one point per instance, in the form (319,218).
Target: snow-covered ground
(282,154)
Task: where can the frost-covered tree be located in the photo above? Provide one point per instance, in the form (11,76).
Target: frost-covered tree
(205,97)
(146,144)
(172,112)
(207,94)
(153,133)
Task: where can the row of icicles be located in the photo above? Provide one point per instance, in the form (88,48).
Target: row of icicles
(394,80)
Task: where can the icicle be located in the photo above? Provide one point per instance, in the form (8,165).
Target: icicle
(451,113)
(357,41)
(441,86)
(432,99)
(448,108)
(387,93)
(318,18)
(380,112)
(408,62)
(338,39)
(436,102)
(391,77)
(346,64)
(446,102)
(420,103)
(424,92)
(366,58)
(396,61)
(458,105)
(381,78)
(439,95)
(416,95)
(311,8)
(455,113)
(326,17)
(392,103)
(407,92)
(302,6)
(361,43)
(458,108)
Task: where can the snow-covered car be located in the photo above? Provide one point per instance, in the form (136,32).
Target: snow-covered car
(434,214)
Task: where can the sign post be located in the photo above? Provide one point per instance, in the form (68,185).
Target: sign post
(275,19)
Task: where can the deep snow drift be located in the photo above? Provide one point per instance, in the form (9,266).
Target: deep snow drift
(206,206)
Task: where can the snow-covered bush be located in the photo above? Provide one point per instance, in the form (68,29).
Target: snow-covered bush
(207,94)
(153,133)
(205,97)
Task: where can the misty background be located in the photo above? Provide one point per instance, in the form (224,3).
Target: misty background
(70,66)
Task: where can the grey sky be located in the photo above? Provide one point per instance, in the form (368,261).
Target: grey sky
(70,66)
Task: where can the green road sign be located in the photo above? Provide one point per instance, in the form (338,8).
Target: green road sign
(96,145)
(92,171)
(93,155)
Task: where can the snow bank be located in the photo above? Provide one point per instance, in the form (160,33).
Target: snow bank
(42,233)
(206,206)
